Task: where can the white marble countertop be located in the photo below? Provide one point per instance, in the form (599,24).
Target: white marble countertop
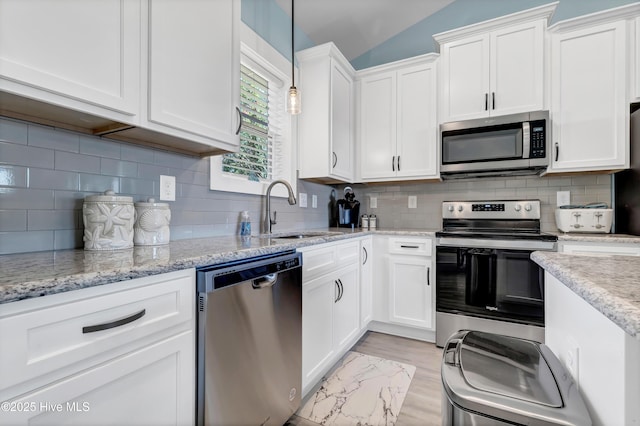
(611,284)
(29,275)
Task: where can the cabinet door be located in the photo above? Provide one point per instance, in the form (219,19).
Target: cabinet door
(366,282)
(378,126)
(65,52)
(417,123)
(194,73)
(517,65)
(410,291)
(346,312)
(341,123)
(318,298)
(465,79)
(154,385)
(588,107)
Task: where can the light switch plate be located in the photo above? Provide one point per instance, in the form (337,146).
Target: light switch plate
(302,197)
(373,202)
(167,188)
(413,202)
(563,198)
(314,201)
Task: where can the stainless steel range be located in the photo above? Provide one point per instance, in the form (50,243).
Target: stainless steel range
(485,279)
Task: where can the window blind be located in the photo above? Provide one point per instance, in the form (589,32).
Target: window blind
(260,133)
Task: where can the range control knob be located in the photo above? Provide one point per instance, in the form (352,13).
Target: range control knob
(460,208)
(517,207)
(450,208)
(527,207)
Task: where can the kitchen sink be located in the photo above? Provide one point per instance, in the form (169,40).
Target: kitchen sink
(301,235)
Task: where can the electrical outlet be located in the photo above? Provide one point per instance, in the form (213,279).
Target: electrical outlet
(314,201)
(302,197)
(572,358)
(373,202)
(563,198)
(167,188)
(413,202)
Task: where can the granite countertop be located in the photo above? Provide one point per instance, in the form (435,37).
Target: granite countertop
(611,284)
(599,238)
(29,275)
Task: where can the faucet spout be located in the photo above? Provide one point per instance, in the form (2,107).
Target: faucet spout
(268,222)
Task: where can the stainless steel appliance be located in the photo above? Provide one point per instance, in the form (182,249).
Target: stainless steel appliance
(508,145)
(490,379)
(249,345)
(485,279)
(626,184)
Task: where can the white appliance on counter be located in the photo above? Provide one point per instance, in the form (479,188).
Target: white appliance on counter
(584,219)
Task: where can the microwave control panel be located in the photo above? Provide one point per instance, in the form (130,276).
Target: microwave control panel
(538,139)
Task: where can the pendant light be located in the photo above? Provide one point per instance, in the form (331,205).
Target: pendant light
(293,95)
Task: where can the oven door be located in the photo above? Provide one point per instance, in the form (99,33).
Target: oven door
(492,283)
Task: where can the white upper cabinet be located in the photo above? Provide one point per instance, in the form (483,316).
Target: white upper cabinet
(589,94)
(193,74)
(494,67)
(152,72)
(326,125)
(83,55)
(398,128)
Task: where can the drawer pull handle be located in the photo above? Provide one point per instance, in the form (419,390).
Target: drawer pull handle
(113,324)
(411,247)
(366,255)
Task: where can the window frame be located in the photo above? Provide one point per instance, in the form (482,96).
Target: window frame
(272,65)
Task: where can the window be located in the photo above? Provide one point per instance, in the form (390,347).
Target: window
(257,131)
(266,152)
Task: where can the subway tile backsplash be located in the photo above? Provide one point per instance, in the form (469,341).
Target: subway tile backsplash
(392,200)
(45,173)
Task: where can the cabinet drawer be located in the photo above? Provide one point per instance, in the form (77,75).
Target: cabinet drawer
(416,246)
(329,257)
(59,331)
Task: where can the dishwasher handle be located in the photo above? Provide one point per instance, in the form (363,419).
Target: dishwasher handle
(265,282)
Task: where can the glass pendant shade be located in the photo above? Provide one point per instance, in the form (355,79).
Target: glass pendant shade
(293,100)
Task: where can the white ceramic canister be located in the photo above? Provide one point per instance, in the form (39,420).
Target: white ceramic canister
(152,223)
(108,221)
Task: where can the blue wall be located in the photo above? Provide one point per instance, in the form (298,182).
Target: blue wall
(268,20)
(418,39)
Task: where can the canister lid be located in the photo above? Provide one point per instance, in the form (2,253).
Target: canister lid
(109,196)
(501,365)
(151,202)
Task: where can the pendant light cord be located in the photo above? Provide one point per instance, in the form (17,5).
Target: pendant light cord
(293,84)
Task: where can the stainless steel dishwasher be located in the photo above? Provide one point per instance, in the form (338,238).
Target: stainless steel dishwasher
(249,345)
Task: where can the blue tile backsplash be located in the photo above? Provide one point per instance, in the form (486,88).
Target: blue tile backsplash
(45,173)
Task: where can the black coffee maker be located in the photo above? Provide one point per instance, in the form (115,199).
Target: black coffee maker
(348,209)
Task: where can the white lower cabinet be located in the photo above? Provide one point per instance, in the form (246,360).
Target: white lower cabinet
(410,292)
(600,356)
(366,281)
(144,387)
(120,353)
(404,287)
(596,249)
(330,307)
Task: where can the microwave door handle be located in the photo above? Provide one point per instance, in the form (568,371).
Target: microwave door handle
(526,139)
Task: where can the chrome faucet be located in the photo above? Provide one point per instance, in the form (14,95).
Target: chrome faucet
(292,200)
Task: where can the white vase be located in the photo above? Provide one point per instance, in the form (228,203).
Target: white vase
(108,221)
(152,223)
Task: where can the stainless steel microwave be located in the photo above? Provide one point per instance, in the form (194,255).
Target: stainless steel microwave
(509,145)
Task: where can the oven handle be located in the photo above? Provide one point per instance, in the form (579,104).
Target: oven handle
(532,245)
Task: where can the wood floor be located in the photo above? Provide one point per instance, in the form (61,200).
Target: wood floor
(422,404)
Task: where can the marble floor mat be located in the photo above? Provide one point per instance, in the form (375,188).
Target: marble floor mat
(362,390)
